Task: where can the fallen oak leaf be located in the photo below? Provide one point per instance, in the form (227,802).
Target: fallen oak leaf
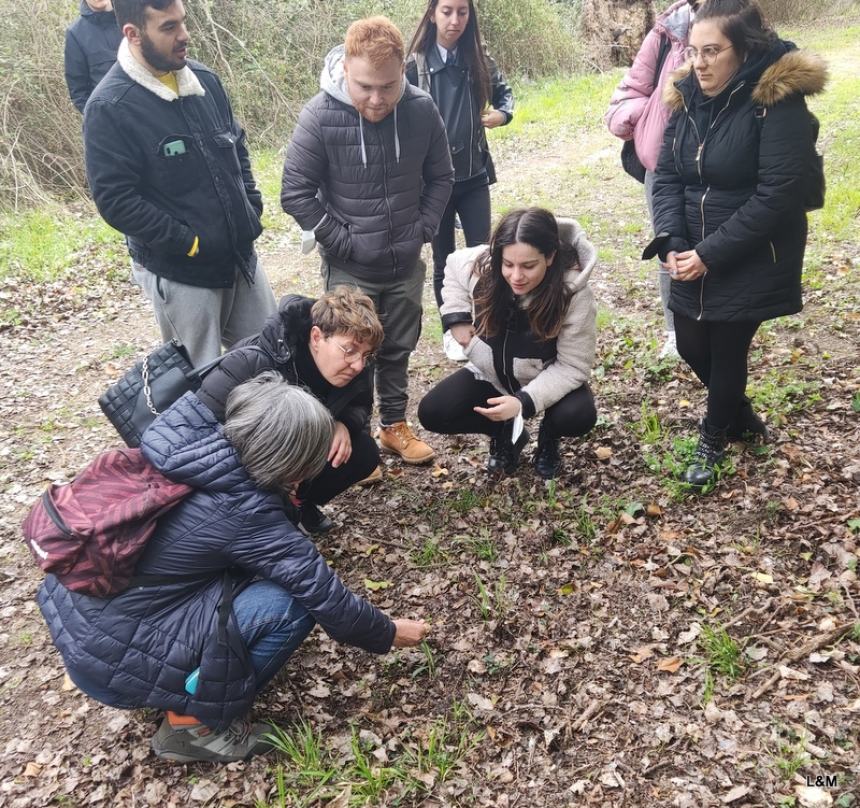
(603,452)
(669,664)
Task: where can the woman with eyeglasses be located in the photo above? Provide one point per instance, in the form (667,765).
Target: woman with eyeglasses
(734,180)
(325,346)
(637,113)
(524,313)
(447,59)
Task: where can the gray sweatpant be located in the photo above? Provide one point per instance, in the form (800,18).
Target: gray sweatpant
(398,304)
(663,278)
(205,319)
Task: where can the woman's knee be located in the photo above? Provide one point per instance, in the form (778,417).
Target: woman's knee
(430,413)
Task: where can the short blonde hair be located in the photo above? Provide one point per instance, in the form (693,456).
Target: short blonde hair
(347,310)
(376,39)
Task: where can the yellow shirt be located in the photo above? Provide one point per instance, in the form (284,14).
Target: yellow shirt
(169,80)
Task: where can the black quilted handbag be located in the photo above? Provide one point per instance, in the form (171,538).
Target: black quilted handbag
(152,385)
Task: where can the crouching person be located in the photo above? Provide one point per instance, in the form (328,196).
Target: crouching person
(325,346)
(232,587)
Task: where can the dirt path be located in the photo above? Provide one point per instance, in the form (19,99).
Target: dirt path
(577,655)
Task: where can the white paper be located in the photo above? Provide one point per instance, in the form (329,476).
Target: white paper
(309,241)
(518,426)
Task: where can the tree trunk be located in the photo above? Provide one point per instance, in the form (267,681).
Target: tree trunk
(614,29)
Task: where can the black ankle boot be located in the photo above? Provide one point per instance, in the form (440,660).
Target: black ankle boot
(504,453)
(710,451)
(313,520)
(747,425)
(547,459)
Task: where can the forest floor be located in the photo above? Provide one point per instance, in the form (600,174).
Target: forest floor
(608,640)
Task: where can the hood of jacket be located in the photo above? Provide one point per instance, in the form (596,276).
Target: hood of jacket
(333,82)
(781,72)
(571,232)
(187,445)
(283,333)
(675,21)
(186,81)
(100,17)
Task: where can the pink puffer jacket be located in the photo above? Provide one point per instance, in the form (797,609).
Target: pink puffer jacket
(636,109)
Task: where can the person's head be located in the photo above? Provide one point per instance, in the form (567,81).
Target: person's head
(373,65)
(100,5)
(454,24)
(724,35)
(525,257)
(156,32)
(281,433)
(344,335)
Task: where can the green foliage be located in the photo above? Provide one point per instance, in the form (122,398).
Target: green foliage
(722,653)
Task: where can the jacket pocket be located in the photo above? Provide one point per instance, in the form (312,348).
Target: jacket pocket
(225,143)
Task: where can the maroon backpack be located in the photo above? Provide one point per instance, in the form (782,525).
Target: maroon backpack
(91,531)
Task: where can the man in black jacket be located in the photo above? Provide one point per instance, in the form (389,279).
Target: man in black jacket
(92,41)
(367,175)
(168,167)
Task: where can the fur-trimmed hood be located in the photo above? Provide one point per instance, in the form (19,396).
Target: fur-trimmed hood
(794,72)
(187,82)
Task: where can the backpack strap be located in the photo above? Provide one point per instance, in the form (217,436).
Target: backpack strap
(665,47)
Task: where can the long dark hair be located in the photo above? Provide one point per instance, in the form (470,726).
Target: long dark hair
(742,23)
(538,228)
(469,44)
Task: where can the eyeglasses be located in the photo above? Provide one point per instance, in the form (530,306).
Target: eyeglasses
(351,354)
(709,53)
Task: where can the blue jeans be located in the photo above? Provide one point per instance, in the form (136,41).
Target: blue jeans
(273,626)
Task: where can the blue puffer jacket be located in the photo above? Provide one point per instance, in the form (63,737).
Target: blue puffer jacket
(141,644)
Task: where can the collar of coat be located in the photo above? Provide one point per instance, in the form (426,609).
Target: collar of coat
(794,72)
(187,82)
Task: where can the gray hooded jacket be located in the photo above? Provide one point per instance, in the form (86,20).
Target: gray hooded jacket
(373,193)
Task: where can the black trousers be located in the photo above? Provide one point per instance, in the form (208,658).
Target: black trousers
(718,354)
(471,200)
(447,409)
(333,481)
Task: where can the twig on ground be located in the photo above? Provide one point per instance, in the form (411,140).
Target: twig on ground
(820,641)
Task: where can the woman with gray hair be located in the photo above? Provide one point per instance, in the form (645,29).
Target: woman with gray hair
(231,587)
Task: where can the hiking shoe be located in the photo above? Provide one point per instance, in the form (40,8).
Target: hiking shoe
(670,348)
(453,350)
(547,459)
(709,453)
(400,440)
(374,477)
(313,520)
(747,426)
(504,453)
(197,742)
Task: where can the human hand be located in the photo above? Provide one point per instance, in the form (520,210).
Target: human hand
(463,333)
(493,118)
(409,632)
(688,266)
(341,445)
(502,408)
(671,263)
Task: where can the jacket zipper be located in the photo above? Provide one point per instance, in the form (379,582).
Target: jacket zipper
(387,200)
(773,251)
(699,153)
(471,119)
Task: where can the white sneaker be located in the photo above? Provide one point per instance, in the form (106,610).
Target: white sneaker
(453,350)
(670,347)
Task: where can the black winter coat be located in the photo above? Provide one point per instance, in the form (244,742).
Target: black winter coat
(92,41)
(140,645)
(282,345)
(730,184)
(164,171)
(450,86)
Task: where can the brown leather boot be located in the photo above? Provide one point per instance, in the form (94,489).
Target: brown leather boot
(400,440)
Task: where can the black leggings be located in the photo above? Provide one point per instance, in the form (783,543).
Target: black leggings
(332,481)
(470,199)
(717,353)
(447,409)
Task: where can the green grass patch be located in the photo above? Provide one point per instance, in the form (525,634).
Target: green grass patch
(41,245)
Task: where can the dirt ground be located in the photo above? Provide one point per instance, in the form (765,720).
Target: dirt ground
(577,654)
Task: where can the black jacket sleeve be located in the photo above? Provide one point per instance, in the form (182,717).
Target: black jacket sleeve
(670,225)
(235,367)
(77,72)
(785,144)
(502,95)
